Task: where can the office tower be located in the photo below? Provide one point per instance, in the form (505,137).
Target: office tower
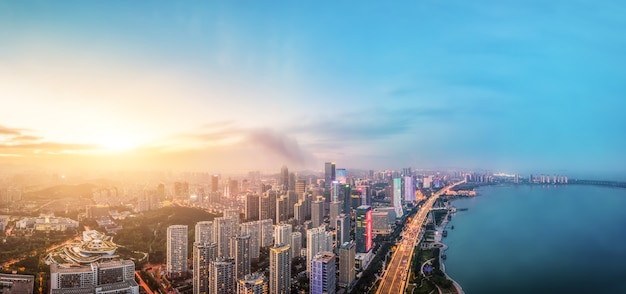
(267,233)
(347,251)
(252,207)
(329,174)
(114,276)
(315,243)
(240,251)
(203,254)
(296,244)
(283,181)
(407,172)
(282,234)
(280,269)
(363,230)
(380,222)
(343,228)
(335,188)
(204,232)
(176,266)
(317,213)
(224,230)
(396,199)
(329,241)
(254,283)
(232,213)
(323,273)
(222,276)
(264,207)
(335,210)
(298,212)
(365,194)
(409,189)
(272,194)
(346,196)
(282,204)
(254,230)
(300,187)
(292,182)
(293,199)
(233,188)
(214,182)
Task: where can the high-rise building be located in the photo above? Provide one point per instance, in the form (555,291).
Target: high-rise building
(315,243)
(298,212)
(252,207)
(296,244)
(240,250)
(335,210)
(232,213)
(317,213)
(204,232)
(254,230)
(280,269)
(323,273)
(347,252)
(224,230)
(176,266)
(214,182)
(222,276)
(284,178)
(282,234)
(265,207)
(267,233)
(409,189)
(329,173)
(346,195)
(341,176)
(300,187)
(343,228)
(363,230)
(365,194)
(397,198)
(254,283)
(282,208)
(203,254)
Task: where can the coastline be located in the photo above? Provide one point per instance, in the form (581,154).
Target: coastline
(444,247)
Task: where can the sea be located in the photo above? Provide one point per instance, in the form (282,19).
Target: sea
(539,239)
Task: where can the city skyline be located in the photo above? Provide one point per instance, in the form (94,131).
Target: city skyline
(513,87)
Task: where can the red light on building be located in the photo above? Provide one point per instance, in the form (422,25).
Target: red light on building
(368,230)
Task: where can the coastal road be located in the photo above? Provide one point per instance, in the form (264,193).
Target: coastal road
(395,277)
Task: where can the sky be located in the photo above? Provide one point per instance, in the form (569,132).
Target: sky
(511,86)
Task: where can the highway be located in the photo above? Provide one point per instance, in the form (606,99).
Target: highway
(395,277)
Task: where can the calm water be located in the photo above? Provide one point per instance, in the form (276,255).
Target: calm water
(529,239)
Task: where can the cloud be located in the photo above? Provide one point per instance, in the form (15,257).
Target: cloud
(10,131)
(279,144)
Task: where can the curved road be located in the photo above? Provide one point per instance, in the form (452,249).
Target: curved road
(395,277)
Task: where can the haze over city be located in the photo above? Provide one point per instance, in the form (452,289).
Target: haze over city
(516,86)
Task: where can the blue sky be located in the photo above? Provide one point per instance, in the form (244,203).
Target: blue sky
(503,85)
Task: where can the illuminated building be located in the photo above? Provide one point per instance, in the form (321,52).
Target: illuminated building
(409,189)
(346,264)
(341,175)
(343,228)
(204,232)
(240,251)
(203,254)
(397,197)
(280,269)
(329,173)
(363,231)
(222,276)
(176,251)
(254,283)
(323,278)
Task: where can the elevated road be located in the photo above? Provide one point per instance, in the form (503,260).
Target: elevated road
(395,277)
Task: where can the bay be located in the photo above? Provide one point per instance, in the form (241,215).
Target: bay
(534,239)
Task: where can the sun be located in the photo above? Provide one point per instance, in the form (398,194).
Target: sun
(118,144)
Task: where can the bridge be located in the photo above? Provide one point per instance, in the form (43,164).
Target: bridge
(395,277)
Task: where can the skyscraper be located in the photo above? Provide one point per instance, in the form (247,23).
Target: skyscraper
(203,254)
(323,273)
(346,264)
(282,208)
(298,212)
(252,207)
(397,198)
(317,213)
(267,233)
(363,231)
(343,228)
(296,244)
(329,173)
(409,189)
(365,194)
(214,182)
(315,243)
(335,210)
(282,234)
(341,175)
(176,266)
(240,248)
(254,230)
(222,276)
(223,232)
(204,232)
(265,207)
(284,178)
(254,283)
(300,187)
(280,269)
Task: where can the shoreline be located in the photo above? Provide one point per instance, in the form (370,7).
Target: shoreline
(444,247)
